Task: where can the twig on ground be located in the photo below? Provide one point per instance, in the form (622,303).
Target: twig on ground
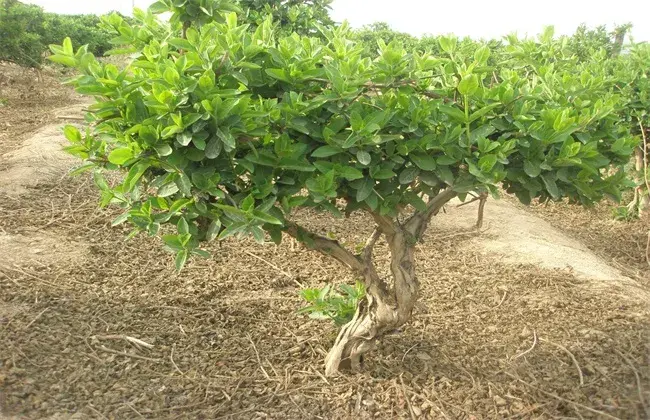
(406,397)
(132,340)
(121,353)
(638,382)
(408,351)
(36,318)
(575,361)
(134,410)
(270,264)
(530,349)
(94,410)
(70,117)
(505,293)
(550,394)
(171,359)
(257,355)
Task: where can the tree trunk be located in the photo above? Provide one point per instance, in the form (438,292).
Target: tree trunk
(641,202)
(381,312)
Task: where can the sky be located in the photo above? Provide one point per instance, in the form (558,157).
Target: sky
(475,18)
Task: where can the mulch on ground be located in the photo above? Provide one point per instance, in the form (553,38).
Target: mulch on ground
(496,340)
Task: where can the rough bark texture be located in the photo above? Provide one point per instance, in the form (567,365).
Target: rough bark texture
(380,313)
(384,310)
(641,201)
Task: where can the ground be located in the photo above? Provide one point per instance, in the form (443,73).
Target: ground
(508,331)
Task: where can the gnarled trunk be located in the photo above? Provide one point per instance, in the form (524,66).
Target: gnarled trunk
(382,311)
(641,201)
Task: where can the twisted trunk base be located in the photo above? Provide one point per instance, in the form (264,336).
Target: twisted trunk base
(371,322)
(382,312)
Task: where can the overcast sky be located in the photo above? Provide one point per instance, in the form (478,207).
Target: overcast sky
(476,18)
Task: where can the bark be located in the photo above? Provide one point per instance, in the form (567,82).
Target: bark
(385,308)
(382,312)
(641,201)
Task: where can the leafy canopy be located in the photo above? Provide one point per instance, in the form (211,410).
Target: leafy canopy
(228,130)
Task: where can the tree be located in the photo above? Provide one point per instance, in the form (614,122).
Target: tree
(20,38)
(224,131)
(26,30)
(631,74)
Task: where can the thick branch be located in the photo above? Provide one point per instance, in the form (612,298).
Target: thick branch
(325,246)
(417,224)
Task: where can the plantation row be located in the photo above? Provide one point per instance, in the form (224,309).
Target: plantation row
(233,115)
(26,31)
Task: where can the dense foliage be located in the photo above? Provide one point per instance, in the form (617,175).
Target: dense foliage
(224,128)
(26,31)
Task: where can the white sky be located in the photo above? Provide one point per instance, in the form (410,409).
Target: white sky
(476,18)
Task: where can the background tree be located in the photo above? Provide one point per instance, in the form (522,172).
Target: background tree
(26,31)
(222,129)
(20,33)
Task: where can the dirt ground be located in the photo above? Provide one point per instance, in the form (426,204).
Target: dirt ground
(503,336)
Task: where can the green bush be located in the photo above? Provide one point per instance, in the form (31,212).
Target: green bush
(26,31)
(21,28)
(222,129)
(337,305)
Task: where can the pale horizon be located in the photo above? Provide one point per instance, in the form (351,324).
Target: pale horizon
(474,18)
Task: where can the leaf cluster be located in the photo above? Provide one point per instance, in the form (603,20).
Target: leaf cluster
(224,128)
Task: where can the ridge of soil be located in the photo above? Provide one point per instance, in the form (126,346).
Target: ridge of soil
(498,338)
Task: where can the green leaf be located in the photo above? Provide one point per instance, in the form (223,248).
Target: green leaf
(482,112)
(247,203)
(180,43)
(184,184)
(120,219)
(487,162)
(62,59)
(213,230)
(364,157)
(135,173)
(120,155)
(179,205)
(67,46)
(453,112)
(182,226)
(448,43)
(423,161)
(213,148)
(279,74)
(158,7)
(365,189)
(551,186)
(468,85)
(532,169)
(383,173)
(163,150)
(181,259)
(167,190)
(266,218)
(326,151)
(71,133)
(408,175)
(349,173)
(482,54)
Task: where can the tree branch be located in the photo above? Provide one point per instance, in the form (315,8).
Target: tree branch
(417,224)
(366,255)
(325,246)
